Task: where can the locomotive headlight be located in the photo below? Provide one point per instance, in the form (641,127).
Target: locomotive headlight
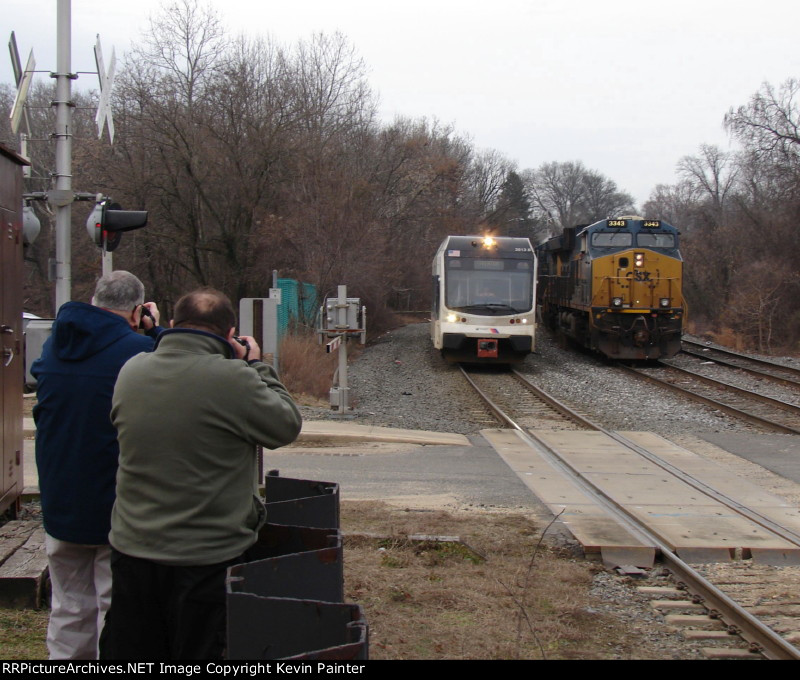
(664,302)
(488,242)
(638,259)
(452,318)
(616,302)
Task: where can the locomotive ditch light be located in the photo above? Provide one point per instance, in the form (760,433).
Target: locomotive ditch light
(452,318)
(616,302)
(664,302)
(638,259)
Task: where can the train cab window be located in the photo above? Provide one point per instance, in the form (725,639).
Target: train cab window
(655,240)
(489,286)
(617,239)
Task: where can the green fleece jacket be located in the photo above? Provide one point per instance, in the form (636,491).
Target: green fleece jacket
(189,417)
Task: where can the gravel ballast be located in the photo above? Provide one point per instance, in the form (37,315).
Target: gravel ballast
(401,381)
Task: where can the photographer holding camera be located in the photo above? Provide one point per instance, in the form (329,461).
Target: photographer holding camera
(76,451)
(189,416)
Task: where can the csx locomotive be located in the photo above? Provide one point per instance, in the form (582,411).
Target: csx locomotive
(615,287)
(484,299)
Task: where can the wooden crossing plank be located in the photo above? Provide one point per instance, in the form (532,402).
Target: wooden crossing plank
(23,574)
(715,475)
(596,530)
(684,518)
(690,523)
(14,534)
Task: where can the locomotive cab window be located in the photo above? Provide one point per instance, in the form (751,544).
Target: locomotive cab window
(655,240)
(604,239)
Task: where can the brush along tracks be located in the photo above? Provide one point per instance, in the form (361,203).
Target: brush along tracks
(766,412)
(635,495)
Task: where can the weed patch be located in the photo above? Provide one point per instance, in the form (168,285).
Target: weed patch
(499,594)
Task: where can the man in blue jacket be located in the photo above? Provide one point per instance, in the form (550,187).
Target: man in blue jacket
(77,451)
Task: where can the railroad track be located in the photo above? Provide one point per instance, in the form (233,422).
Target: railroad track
(760,368)
(517,403)
(694,590)
(768,413)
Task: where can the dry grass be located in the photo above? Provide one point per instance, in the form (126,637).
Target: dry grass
(23,634)
(306,369)
(499,595)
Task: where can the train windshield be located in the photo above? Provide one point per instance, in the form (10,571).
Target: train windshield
(655,240)
(616,239)
(491,287)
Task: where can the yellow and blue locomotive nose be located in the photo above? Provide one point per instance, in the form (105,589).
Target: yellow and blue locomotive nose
(615,287)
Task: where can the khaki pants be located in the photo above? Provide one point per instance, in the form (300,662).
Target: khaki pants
(80,576)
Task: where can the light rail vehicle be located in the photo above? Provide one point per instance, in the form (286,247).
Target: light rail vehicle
(484,299)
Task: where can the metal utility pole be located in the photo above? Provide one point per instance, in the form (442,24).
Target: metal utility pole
(61,197)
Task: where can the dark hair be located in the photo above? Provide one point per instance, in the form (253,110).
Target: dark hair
(205,309)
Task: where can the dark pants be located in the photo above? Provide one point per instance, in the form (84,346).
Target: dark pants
(165,612)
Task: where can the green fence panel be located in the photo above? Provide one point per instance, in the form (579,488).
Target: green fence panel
(298,304)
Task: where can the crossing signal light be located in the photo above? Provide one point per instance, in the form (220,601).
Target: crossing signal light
(108,220)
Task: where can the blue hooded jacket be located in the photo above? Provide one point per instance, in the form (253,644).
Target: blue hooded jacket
(76,444)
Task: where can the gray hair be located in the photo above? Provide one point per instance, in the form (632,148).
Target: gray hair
(119,290)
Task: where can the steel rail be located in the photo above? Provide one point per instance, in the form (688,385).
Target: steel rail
(761,638)
(744,415)
(786,382)
(744,357)
(733,504)
(713,382)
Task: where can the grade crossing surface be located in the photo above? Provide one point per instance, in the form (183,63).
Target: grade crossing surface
(696,526)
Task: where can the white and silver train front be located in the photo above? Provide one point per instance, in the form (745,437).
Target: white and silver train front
(484,297)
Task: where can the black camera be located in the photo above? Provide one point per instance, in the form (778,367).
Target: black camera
(146,312)
(243,343)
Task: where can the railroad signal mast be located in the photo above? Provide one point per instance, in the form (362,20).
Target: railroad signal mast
(341,318)
(108,218)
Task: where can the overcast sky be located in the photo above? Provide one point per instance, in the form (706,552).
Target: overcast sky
(626,86)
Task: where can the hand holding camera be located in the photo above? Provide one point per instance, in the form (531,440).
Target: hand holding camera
(245,347)
(150,316)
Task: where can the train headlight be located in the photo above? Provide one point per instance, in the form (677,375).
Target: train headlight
(664,302)
(488,242)
(638,259)
(452,318)
(616,302)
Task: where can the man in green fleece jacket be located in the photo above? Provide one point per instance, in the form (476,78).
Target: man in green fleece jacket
(189,416)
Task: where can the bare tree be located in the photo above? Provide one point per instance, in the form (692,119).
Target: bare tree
(556,190)
(712,174)
(601,198)
(770,122)
(568,194)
